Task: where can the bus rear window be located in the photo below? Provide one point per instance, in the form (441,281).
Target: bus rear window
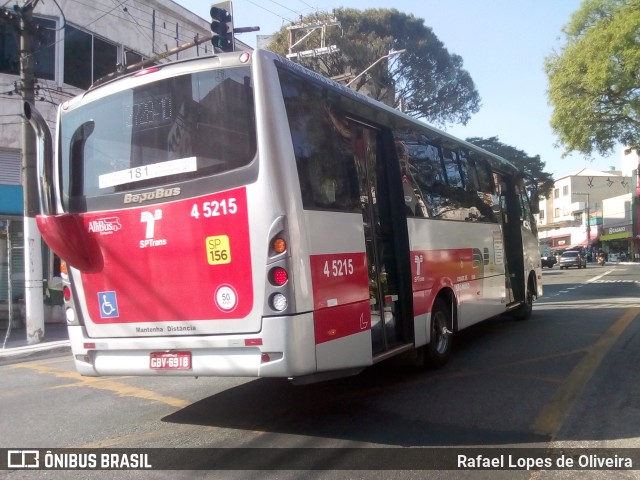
(171,130)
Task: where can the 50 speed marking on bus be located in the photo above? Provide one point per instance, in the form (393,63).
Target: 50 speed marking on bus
(215,208)
(338,267)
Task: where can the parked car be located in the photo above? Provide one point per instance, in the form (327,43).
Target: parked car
(572,258)
(548,261)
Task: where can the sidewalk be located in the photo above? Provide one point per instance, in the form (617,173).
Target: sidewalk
(56,338)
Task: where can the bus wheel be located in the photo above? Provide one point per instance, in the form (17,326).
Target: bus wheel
(525,311)
(438,349)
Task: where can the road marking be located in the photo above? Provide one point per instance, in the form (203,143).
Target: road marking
(556,410)
(595,279)
(101,383)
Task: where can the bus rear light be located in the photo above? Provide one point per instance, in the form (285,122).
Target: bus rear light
(84,358)
(278,276)
(89,345)
(244,57)
(265,358)
(66,293)
(63,268)
(146,71)
(278,302)
(70,315)
(279,245)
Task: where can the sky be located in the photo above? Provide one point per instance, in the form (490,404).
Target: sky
(503,44)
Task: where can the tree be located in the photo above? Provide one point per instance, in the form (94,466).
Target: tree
(429,81)
(594,86)
(531,166)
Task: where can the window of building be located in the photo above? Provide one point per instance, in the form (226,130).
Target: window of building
(556,213)
(541,214)
(131,57)
(565,190)
(105,58)
(556,193)
(9,55)
(44,39)
(87,58)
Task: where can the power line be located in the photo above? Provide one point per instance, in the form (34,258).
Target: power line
(271,12)
(305,3)
(285,7)
(140,29)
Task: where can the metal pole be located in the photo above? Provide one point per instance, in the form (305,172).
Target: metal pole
(9,284)
(390,54)
(33,291)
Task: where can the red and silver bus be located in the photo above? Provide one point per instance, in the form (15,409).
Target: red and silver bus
(239,215)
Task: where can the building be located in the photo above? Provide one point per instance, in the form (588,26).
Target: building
(75,44)
(582,205)
(618,227)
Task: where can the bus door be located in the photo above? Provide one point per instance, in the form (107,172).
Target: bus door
(386,239)
(514,259)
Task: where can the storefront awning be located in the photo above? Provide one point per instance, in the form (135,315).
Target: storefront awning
(614,236)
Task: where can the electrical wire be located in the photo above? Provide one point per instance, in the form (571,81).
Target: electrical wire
(305,3)
(271,12)
(285,7)
(138,26)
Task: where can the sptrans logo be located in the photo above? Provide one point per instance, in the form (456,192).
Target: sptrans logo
(150,219)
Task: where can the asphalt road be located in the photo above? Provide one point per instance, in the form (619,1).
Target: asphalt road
(566,378)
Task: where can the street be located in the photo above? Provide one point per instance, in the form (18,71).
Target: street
(567,377)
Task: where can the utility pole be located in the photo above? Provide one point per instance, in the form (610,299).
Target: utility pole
(321,24)
(33,291)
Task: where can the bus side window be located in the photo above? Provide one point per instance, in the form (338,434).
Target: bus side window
(452,168)
(485,199)
(423,159)
(322,147)
(456,204)
(526,217)
(415,205)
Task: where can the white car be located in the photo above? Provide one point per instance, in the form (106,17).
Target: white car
(572,258)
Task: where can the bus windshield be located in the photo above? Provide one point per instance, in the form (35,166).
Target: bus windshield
(170,130)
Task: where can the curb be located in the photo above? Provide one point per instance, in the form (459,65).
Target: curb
(17,354)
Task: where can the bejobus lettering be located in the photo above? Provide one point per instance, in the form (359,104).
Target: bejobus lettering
(156,194)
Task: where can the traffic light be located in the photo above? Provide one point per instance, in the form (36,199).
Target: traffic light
(222,26)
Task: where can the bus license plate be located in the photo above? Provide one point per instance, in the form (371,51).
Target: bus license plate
(170,360)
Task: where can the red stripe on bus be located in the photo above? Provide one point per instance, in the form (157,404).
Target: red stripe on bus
(341,321)
(339,279)
(432,270)
(340,295)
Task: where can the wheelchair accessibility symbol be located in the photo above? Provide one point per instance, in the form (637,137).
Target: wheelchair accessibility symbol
(108,305)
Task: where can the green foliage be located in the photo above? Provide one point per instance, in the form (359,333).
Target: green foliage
(594,84)
(531,166)
(429,81)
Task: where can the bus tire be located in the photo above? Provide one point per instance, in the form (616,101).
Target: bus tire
(526,309)
(438,350)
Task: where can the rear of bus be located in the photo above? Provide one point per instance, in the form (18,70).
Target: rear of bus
(175,231)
